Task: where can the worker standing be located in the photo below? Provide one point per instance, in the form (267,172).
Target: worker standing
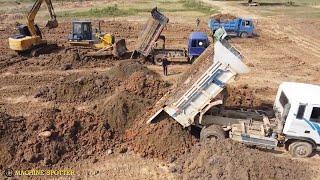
(197,22)
(165,64)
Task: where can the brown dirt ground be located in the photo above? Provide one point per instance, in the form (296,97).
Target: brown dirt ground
(99,105)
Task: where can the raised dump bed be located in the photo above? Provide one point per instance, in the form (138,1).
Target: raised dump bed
(151,32)
(198,93)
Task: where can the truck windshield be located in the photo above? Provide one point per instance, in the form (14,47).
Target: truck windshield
(283,99)
(77,28)
(246,23)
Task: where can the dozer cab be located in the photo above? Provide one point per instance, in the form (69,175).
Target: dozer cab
(29,37)
(103,43)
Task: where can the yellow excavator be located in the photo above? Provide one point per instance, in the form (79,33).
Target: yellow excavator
(29,38)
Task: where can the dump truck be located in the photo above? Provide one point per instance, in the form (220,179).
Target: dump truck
(151,44)
(294,126)
(238,27)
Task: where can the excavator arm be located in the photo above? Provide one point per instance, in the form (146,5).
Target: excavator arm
(52,23)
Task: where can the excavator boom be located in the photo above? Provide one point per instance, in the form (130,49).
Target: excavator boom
(52,23)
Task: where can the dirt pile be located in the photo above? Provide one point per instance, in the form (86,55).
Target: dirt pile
(11,134)
(166,139)
(53,137)
(78,89)
(227,159)
(138,92)
(223,17)
(127,75)
(118,100)
(245,96)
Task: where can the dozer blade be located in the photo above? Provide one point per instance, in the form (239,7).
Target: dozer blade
(119,48)
(52,24)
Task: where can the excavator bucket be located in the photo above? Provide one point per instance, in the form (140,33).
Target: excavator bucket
(53,23)
(119,48)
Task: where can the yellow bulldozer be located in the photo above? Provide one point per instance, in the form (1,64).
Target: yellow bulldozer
(29,38)
(103,44)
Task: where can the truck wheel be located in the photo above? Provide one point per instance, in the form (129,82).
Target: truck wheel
(212,132)
(158,61)
(300,149)
(244,35)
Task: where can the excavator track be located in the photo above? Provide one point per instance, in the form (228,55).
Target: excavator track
(43,49)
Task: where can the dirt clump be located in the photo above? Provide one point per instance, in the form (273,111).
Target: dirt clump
(223,17)
(226,159)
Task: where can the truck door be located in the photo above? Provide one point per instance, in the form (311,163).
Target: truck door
(313,114)
(297,123)
(304,122)
(246,26)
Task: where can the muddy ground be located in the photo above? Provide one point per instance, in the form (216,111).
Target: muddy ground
(93,111)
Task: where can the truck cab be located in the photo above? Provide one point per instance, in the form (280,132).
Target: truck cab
(197,43)
(246,28)
(299,105)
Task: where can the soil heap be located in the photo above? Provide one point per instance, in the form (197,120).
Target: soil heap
(227,159)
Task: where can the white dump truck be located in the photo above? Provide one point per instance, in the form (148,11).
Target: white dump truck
(295,124)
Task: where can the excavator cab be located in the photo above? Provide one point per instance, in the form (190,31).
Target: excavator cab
(23,31)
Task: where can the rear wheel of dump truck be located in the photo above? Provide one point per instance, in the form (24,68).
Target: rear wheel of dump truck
(300,149)
(212,132)
(158,61)
(244,35)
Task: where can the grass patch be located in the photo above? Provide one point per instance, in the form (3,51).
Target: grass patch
(109,11)
(199,6)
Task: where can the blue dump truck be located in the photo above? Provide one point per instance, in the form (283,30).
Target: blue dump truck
(238,27)
(151,44)
(198,42)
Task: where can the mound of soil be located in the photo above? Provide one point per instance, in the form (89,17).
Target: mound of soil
(223,17)
(53,137)
(165,140)
(96,86)
(244,96)
(131,99)
(227,159)
(78,89)
(11,134)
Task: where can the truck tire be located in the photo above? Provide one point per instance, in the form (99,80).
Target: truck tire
(212,132)
(300,149)
(244,35)
(158,61)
